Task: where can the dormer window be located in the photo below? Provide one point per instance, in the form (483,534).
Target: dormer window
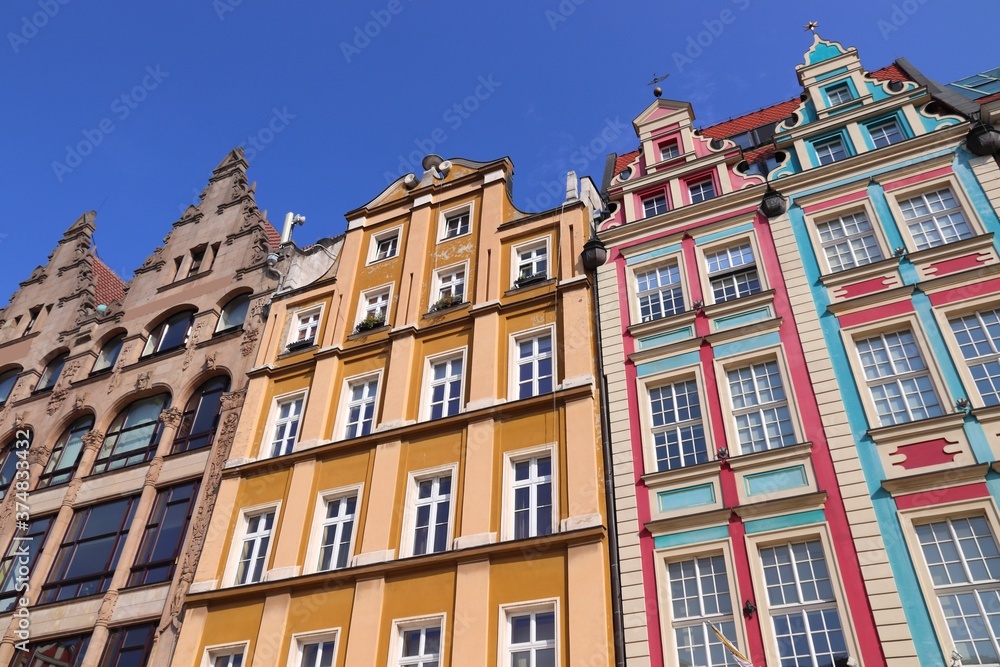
(386,248)
(197,257)
(654,205)
(839,94)
(702,190)
(456,225)
(885,133)
(830,150)
(669,150)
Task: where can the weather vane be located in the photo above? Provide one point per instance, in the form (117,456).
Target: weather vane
(656,79)
(811,26)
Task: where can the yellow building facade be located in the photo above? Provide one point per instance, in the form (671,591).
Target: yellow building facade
(417,475)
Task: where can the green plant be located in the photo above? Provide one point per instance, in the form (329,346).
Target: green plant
(370,322)
(447,301)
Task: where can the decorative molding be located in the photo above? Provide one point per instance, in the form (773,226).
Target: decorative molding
(107,608)
(233,399)
(171,417)
(71,491)
(92,440)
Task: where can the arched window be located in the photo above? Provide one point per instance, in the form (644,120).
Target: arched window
(172,333)
(234,313)
(201,416)
(51,373)
(7,381)
(66,454)
(133,435)
(8,468)
(109,354)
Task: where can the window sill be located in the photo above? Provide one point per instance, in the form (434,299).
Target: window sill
(231,331)
(364,334)
(155,357)
(528,286)
(643,329)
(740,303)
(458,307)
(103,371)
(183,281)
(884,435)
(859,273)
(683,474)
(771,456)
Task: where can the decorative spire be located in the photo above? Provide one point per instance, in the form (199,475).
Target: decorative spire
(811,26)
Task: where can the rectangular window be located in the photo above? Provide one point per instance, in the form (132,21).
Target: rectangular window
(763,420)
(802,605)
(22,553)
(58,652)
(978,336)
(419,646)
(254,548)
(678,433)
(129,646)
(659,291)
(885,133)
(532,264)
(445,388)
(306,327)
(669,150)
(935,218)
(451,284)
(386,246)
(89,553)
(733,272)
(534,365)
(317,651)
(197,257)
(531,639)
(654,205)
(964,562)
(830,150)
(163,535)
(375,305)
(361,407)
(432,512)
(456,225)
(338,531)
(700,599)
(532,497)
(286,425)
(702,190)
(898,378)
(33,314)
(839,94)
(229,658)
(849,241)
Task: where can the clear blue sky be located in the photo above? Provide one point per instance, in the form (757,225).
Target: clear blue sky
(199,77)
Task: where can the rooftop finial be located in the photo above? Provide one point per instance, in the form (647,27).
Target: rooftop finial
(811,26)
(656,79)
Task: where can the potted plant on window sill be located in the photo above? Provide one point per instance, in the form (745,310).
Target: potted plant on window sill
(369,323)
(529,279)
(446,302)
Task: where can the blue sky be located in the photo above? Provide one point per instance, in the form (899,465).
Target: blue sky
(336,98)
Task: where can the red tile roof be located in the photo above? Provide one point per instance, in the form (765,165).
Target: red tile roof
(108,287)
(771,114)
(273,236)
(989,98)
(891,73)
(624,160)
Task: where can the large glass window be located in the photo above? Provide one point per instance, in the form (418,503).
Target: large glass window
(109,354)
(133,436)
(66,454)
(234,314)
(253,551)
(935,218)
(361,407)
(286,425)
(8,468)
(419,646)
(338,529)
(655,205)
(532,496)
(659,292)
(534,365)
(532,263)
(733,272)
(978,336)
(839,94)
(129,646)
(201,416)
(898,379)
(432,513)
(7,381)
(531,641)
(58,652)
(700,599)
(317,651)
(885,133)
(830,150)
(760,407)
(50,376)
(89,553)
(163,535)
(849,241)
(678,433)
(702,190)
(21,553)
(171,334)
(445,387)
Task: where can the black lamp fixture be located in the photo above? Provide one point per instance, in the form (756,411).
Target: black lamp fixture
(774,203)
(983,139)
(594,253)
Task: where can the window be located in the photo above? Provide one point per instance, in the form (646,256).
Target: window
(534,365)
(163,535)
(288,412)
(21,554)
(384,246)
(830,150)
(531,486)
(935,218)
(375,304)
(669,150)
(531,638)
(699,599)
(659,291)
(201,416)
(445,388)
(33,314)
(234,314)
(129,646)
(338,532)
(885,133)
(432,513)
(701,190)
(50,376)
(89,553)
(978,336)
(419,646)
(532,263)
(802,605)
(197,257)
(7,381)
(315,650)
(849,241)
(361,407)
(254,548)
(65,456)
(62,651)
(450,284)
(109,354)
(763,420)
(678,433)
(226,657)
(171,334)
(733,272)
(306,326)
(654,205)
(456,224)
(178,261)
(839,94)
(898,379)
(8,469)
(964,562)
(133,436)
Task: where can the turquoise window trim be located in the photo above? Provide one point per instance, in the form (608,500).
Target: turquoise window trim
(747,344)
(725,233)
(975,193)
(904,127)
(784,521)
(889,224)
(841,134)
(691,537)
(781,479)
(670,363)
(836,84)
(653,254)
(698,495)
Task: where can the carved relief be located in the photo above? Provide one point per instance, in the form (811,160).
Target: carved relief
(19,420)
(153,474)
(79,401)
(142,382)
(56,399)
(233,399)
(107,608)
(171,417)
(72,490)
(210,363)
(249,342)
(92,440)
(38,454)
(260,246)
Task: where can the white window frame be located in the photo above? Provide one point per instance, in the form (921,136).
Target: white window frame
(660,263)
(314,548)
(839,88)
(296,323)
(512,357)
(691,185)
(762,356)
(395,233)
(218,650)
(437,284)
(973,309)
(924,189)
(410,509)
(239,535)
(651,198)
(828,143)
(670,143)
(400,625)
(345,401)
(841,219)
(649,387)
(429,382)
(529,246)
(880,124)
(386,289)
(466,209)
(300,639)
(728,244)
(507,611)
(267,442)
(510,459)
